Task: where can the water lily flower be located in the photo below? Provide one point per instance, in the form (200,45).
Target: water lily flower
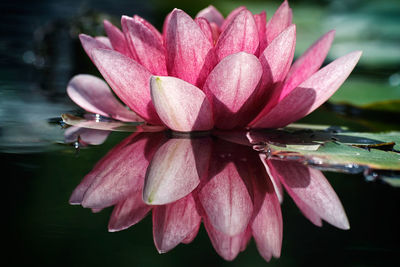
(209,72)
(184,182)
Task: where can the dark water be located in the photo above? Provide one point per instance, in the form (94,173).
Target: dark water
(39,54)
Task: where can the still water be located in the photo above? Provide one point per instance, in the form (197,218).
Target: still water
(41,172)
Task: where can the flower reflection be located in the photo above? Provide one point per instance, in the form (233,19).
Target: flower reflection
(232,189)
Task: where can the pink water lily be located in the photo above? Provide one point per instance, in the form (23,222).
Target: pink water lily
(209,72)
(184,182)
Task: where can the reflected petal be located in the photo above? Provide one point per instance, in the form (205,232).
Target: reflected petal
(174,222)
(128,212)
(117,174)
(311,192)
(176,169)
(226,200)
(228,247)
(87,136)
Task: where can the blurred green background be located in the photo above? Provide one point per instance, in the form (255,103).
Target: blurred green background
(40,52)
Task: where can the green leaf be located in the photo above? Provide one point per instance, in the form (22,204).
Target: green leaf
(346,151)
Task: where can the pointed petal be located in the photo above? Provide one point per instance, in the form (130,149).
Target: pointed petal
(267,226)
(309,95)
(187,47)
(311,192)
(277,57)
(261,22)
(226,200)
(240,35)
(117,39)
(89,44)
(146,45)
(176,169)
(172,223)
(88,136)
(150,26)
(228,247)
(165,26)
(211,14)
(128,212)
(180,105)
(205,28)
(93,95)
(231,16)
(281,19)
(273,178)
(104,40)
(129,80)
(192,235)
(120,172)
(308,63)
(231,86)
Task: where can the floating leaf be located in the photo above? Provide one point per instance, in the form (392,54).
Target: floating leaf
(346,151)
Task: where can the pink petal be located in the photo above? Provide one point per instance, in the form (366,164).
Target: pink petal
(176,169)
(180,105)
(232,86)
(165,26)
(211,14)
(94,95)
(79,192)
(226,200)
(261,21)
(231,16)
(309,95)
(150,26)
(240,35)
(308,63)
(174,222)
(267,223)
(273,178)
(279,21)
(117,39)
(87,136)
(192,235)
(89,44)
(120,172)
(277,57)
(205,28)
(311,192)
(129,80)
(146,45)
(228,247)
(187,48)
(128,212)
(104,40)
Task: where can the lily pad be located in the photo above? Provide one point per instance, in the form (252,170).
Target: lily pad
(346,151)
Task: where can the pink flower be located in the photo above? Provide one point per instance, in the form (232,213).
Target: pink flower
(209,72)
(184,182)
